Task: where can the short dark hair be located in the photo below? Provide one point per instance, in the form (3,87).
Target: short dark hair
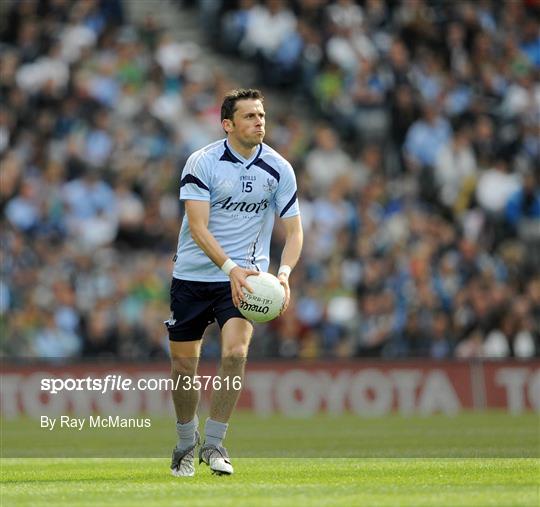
(229,102)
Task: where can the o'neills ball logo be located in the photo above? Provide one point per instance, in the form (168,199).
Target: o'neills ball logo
(254,308)
(266,300)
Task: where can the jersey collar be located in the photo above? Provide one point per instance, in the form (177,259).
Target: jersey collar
(233,156)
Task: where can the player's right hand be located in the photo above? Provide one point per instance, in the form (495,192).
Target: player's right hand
(238,277)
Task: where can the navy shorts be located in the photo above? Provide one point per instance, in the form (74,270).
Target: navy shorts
(194,305)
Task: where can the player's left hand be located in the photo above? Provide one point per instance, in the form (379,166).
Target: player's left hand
(284,281)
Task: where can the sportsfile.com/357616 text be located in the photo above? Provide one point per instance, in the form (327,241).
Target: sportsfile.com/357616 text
(120,383)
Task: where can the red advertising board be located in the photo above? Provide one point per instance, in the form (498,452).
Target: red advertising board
(513,386)
(370,388)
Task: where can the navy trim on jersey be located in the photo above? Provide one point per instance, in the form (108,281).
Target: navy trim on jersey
(189,178)
(228,155)
(268,168)
(255,249)
(256,157)
(288,205)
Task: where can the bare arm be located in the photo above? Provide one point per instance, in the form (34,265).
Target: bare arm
(291,251)
(198,213)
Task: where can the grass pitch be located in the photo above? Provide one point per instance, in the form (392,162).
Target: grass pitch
(475,460)
(273,482)
(467,435)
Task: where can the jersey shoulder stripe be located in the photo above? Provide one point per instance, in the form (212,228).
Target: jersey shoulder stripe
(274,159)
(189,178)
(288,205)
(229,157)
(267,167)
(272,162)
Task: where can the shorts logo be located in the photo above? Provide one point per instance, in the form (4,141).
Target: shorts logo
(171,321)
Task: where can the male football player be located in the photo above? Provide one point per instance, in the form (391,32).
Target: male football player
(232,190)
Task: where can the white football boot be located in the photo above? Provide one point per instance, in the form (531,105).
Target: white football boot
(216,458)
(183,462)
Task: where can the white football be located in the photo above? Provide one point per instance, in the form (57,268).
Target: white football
(267,299)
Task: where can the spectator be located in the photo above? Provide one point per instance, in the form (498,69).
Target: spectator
(524,203)
(418,240)
(441,336)
(425,138)
(23,211)
(455,167)
(268,27)
(326,161)
(495,186)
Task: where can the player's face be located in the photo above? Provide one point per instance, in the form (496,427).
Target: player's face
(247,125)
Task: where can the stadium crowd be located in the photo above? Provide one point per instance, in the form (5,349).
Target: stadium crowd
(418,173)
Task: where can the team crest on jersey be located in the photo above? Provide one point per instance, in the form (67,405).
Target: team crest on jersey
(270,185)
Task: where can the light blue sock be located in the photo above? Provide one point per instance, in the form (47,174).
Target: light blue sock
(214,432)
(186,433)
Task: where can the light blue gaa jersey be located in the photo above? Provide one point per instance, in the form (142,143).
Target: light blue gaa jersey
(244,196)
